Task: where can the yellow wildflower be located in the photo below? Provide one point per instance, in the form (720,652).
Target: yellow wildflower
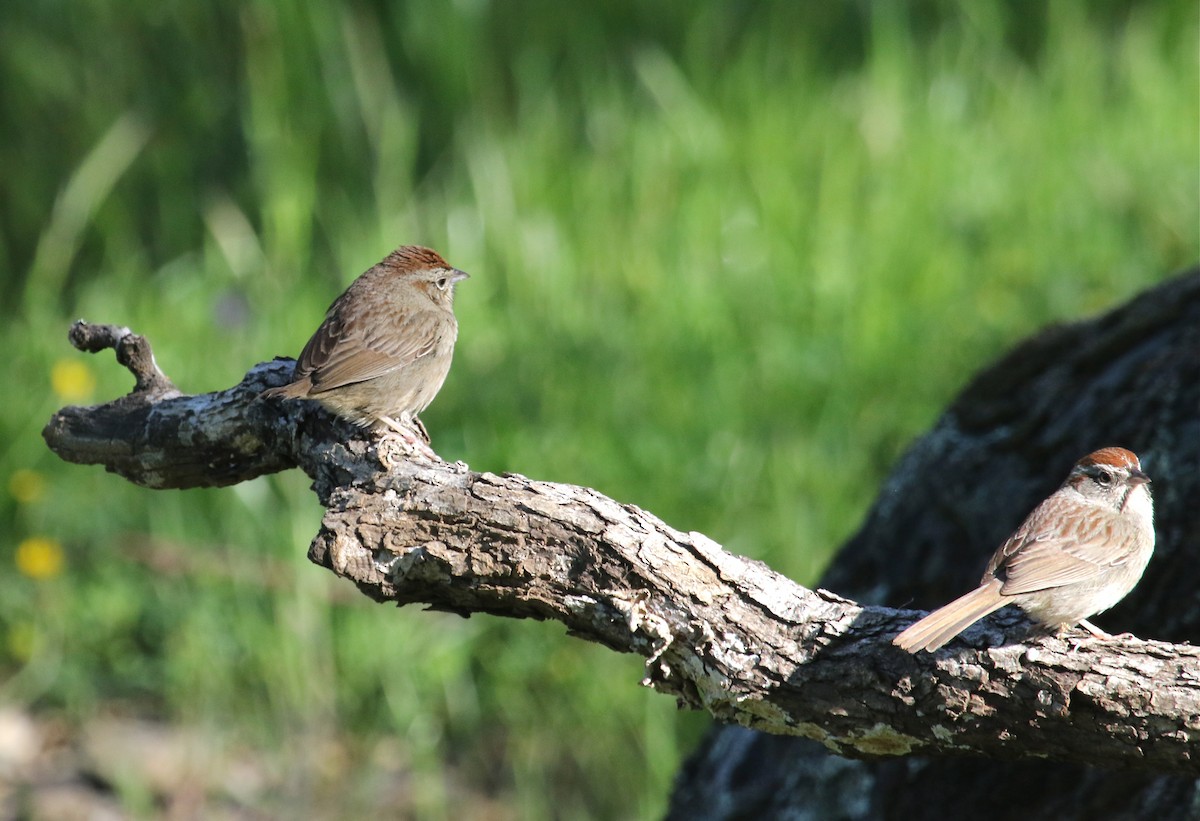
(72,380)
(40,558)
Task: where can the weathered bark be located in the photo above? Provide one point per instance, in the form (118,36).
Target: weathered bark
(1130,377)
(720,632)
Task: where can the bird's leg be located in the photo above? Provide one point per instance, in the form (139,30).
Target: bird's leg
(389,422)
(1094,630)
(420,427)
(1100,634)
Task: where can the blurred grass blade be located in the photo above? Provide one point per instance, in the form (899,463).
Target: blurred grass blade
(87,188)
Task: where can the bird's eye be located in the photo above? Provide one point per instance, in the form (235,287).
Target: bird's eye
(443,282)
(1104,478)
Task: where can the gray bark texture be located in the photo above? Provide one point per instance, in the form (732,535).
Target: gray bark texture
(1130,377)
(813,672)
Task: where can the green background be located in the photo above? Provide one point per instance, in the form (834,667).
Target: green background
(727,261)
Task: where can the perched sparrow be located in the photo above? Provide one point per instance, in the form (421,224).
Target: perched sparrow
(1077,554)
(385,346)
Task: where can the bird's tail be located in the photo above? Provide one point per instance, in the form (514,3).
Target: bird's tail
(945,623)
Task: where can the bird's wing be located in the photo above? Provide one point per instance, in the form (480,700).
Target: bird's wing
(337,356)
(1031,561)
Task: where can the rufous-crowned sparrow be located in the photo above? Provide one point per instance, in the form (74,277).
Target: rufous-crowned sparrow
(1078,553)
(384,349)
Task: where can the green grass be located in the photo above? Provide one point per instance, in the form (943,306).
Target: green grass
(726,263)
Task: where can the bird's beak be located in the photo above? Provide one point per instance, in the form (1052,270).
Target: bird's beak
(1136,477)
(457,275)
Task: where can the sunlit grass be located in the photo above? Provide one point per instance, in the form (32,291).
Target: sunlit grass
(720,269)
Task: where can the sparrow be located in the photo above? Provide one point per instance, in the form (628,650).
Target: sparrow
(1077,554)
(385,347)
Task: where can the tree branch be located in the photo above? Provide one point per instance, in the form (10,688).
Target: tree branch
(720,632)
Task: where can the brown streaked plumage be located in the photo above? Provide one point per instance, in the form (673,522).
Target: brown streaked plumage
(1077,554)
(386,344)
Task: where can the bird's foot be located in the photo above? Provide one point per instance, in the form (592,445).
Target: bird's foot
(413,435)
